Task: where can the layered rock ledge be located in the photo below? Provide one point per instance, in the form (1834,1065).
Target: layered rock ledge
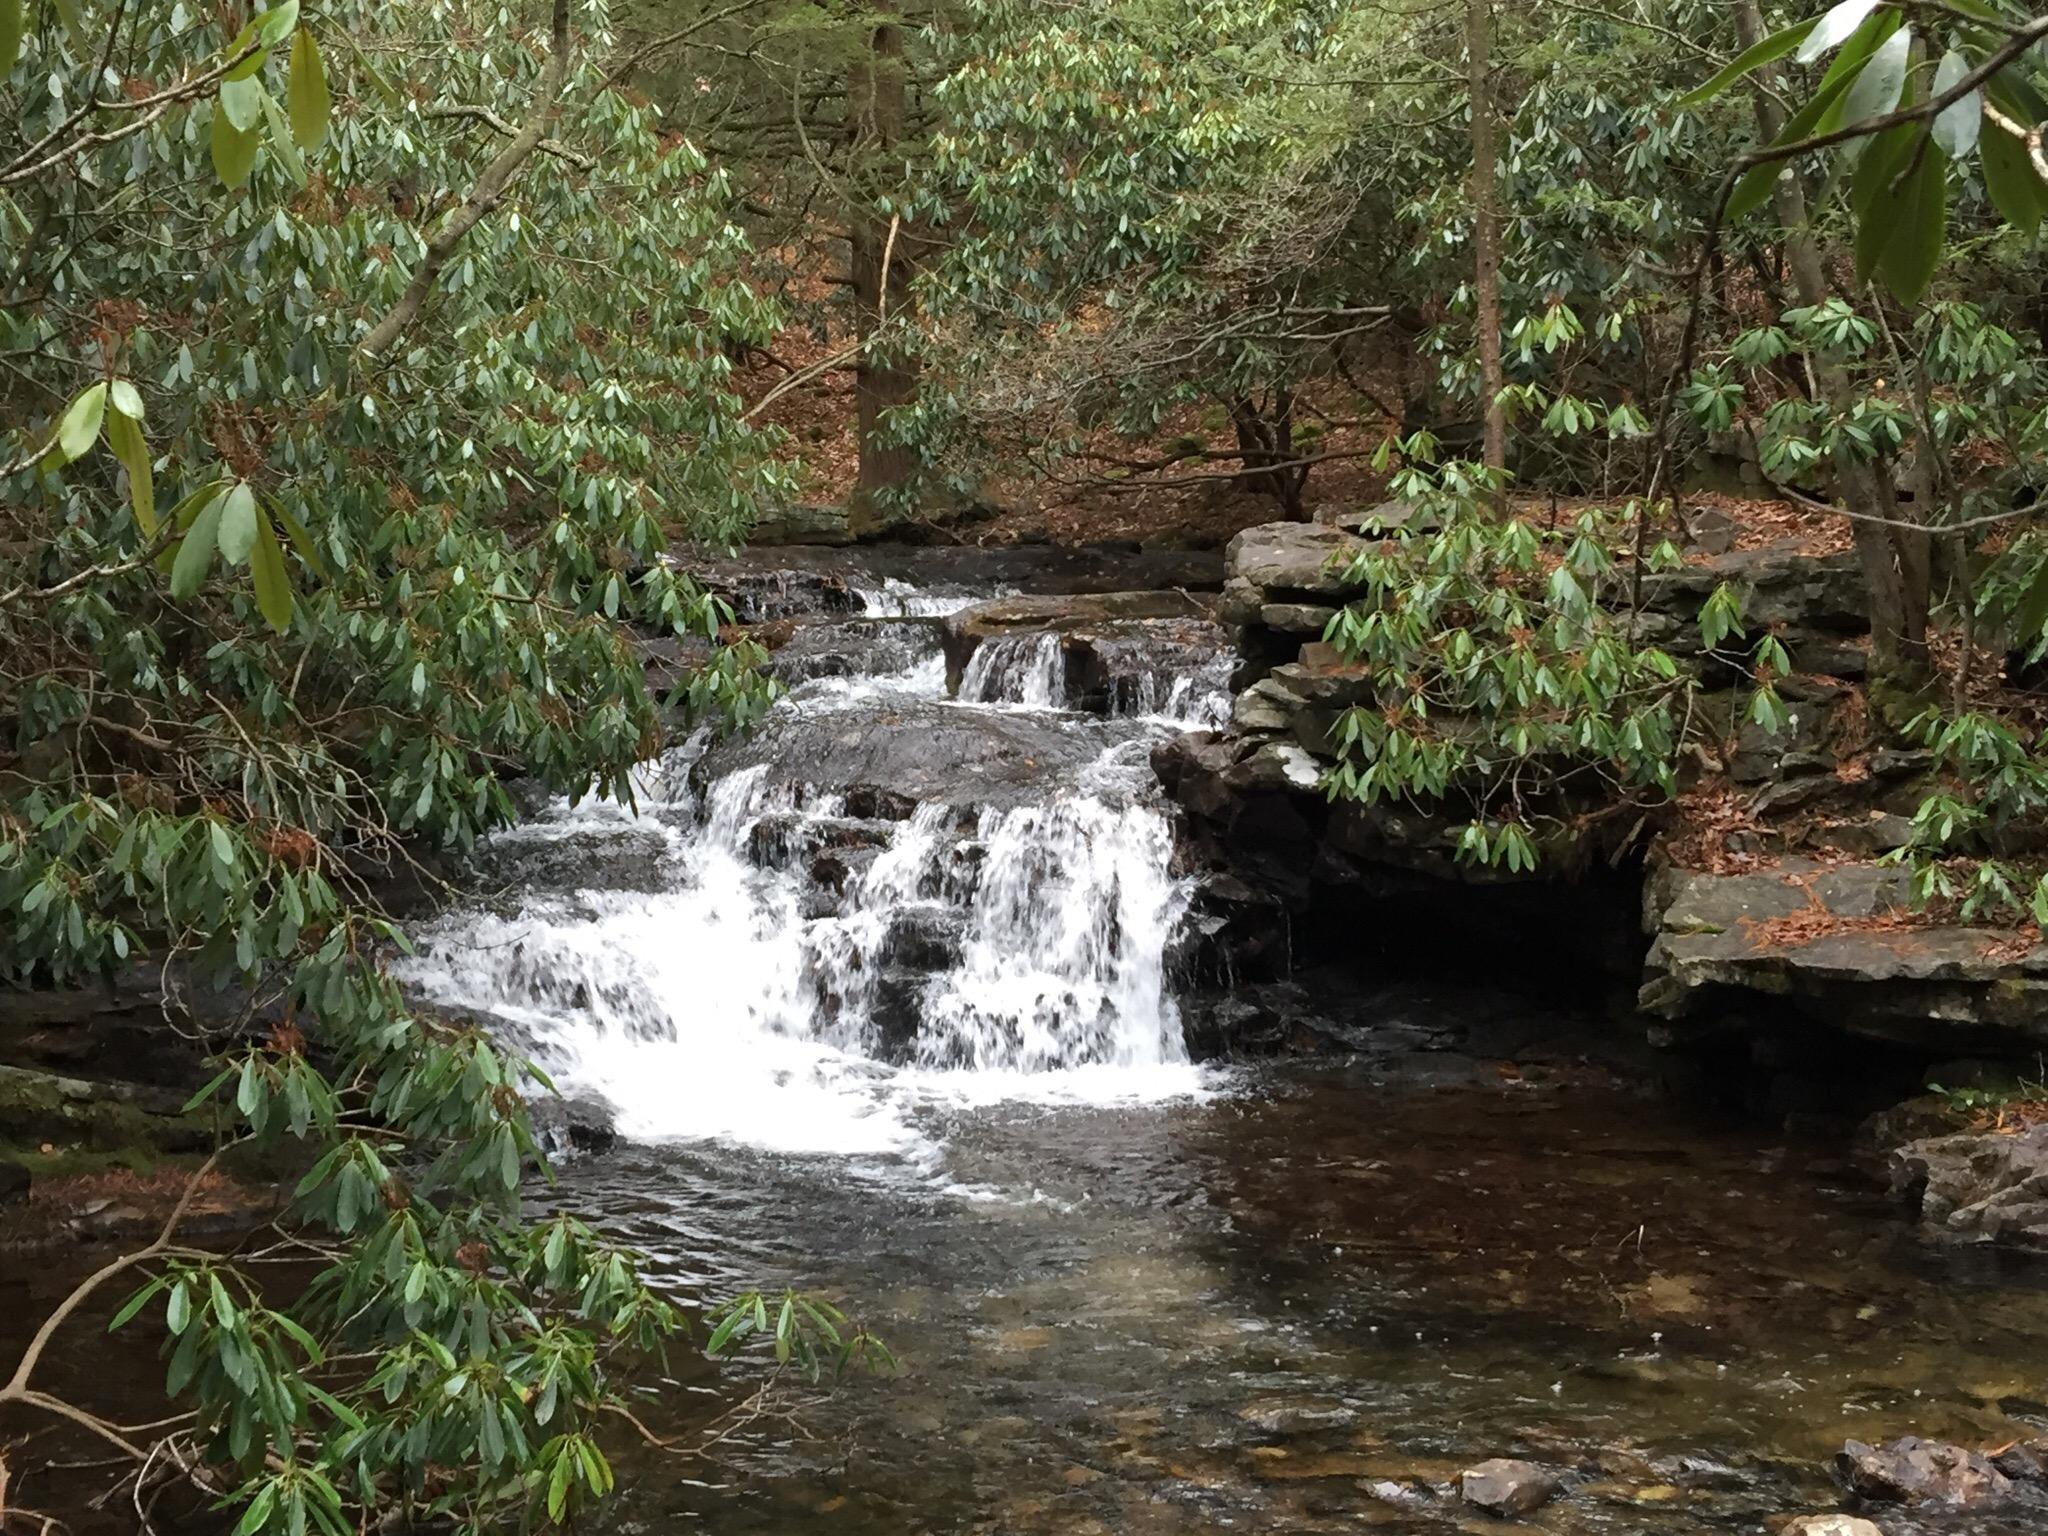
(1766,911)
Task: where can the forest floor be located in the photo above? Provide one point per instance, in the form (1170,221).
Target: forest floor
(1095,493)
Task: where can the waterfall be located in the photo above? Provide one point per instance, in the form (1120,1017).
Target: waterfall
(1017,669)
(783,972)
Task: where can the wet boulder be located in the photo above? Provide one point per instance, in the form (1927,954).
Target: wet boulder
(626,855)
(926,937)
(1830,1525)
(570,1123)
(1506,1487)
(1915,1471)
(796,839)
(1979,1185)
(889,755)
(865,647)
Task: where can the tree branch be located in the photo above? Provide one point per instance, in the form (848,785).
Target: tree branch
(669,40)
(17,1389)
(483,197)
(491,119)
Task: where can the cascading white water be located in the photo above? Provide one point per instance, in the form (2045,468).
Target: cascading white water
(1063,962)
(801,979)
(1017,669)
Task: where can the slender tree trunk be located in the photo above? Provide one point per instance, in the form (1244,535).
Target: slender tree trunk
(1486,226)
(1265,443)
(1896,559)
(880,269)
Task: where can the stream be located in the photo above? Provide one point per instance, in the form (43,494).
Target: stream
(883,1005)
(882,1001)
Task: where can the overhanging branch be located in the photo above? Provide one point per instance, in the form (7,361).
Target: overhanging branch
(483,197)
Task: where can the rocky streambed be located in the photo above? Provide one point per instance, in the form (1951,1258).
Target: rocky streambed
(1014,987)
(1185,1194)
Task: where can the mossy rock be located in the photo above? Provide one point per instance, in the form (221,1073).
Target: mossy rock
(121,1120)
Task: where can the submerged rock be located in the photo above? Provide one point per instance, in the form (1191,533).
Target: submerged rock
(1915,1471)
(1295,1413)
(1506,1487)
(1830,1525)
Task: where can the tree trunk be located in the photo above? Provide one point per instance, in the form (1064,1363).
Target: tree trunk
(880,269)
(1265,444)
(1896,558)
(1485,227)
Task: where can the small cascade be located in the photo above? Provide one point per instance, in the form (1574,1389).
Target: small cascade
(1026,670)
(1063,958)
(1196,697)
(747,957)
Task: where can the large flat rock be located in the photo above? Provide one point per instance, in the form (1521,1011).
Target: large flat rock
(1839,943)
(1290,561)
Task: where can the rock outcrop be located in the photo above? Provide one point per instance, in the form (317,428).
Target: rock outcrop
(1769,918)
(1987,1185)
(1838,943)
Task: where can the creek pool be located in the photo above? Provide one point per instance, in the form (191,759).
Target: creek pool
(1295,1302)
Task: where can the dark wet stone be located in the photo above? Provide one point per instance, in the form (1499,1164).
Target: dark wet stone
(1506,1487)
(627,856)
(756,595)
(889,756)
(1915,1471)
(1984,1186)
(925,938)
(867,647)
(1096,630)
(573,1123)
(784,839)
(14,1182)
(896,1013)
